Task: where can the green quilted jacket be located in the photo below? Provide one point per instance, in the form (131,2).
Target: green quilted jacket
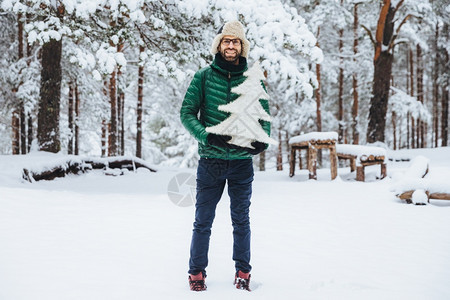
(211,87)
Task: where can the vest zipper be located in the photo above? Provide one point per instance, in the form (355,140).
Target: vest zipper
(229,88)
(228,101)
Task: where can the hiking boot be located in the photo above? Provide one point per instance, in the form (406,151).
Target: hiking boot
(197,282)
(242,280)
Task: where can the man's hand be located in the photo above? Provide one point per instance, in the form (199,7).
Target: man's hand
(219,140)
(259,147)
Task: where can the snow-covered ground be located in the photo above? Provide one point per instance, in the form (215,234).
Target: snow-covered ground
(96,237)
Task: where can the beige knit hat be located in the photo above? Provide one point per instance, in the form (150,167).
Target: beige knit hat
(234,28)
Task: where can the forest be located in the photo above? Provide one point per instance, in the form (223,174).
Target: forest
(107,77)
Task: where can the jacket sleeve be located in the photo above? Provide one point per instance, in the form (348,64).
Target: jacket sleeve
(190,109)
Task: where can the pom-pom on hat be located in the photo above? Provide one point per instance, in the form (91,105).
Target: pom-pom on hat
(234,28)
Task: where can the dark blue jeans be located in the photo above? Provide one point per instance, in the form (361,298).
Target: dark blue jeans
(211,177)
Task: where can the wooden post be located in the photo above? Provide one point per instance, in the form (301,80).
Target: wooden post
(360,173)
(352,164)
(333,162)
(312,162)
(300,162)
(383,170)
(292,162)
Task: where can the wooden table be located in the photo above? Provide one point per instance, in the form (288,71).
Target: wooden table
(311,146)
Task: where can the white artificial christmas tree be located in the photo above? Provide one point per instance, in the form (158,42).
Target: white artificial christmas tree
(246,111)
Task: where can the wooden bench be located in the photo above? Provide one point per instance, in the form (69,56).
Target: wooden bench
(361,157)
(311,142)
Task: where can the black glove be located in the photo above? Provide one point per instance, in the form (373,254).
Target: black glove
(259,147)
(219,140)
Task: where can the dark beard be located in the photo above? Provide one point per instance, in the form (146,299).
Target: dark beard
(230,67)
(230,59)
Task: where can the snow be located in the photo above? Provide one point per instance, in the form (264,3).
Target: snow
(317,136)
(93,236)
(411,177)
(419,197)
(438,185)
(360,150)
(418,167)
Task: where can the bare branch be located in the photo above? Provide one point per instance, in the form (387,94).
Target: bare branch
(370,34)
(391,44)
(398,6)
(399,43)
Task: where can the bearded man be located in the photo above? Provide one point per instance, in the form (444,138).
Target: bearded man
(221,162)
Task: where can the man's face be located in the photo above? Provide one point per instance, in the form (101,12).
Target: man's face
(230,48)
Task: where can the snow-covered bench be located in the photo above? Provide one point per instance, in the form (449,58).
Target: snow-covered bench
(311,142)
(362,156)
(413,187)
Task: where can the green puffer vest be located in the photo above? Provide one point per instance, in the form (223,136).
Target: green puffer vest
(211,87)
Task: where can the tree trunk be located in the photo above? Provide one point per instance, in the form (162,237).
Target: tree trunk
(113,123)
(444,123)
(112,137)
(420,94)
(122,122)
(29,117)
(318,92)
(318,104)
(412,93)
(120,108)
(50,95)
(341,88)
(408,130)
(15,124)
(280,152)
(30,131)
(23,135)
(262,161)
(121,100)
(286,144)
(70,117)
(445,100)
(139,106)
(394,127)
(15,117)
(436,89)
(23,129)
(355,133)
(77,118)
(379,100)
(103,140)
(119,113)
(105,136)
(382,74)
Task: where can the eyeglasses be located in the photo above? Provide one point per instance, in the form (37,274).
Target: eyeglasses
(235,42)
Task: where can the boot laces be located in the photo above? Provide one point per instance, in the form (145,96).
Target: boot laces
(243,284)
(197,285)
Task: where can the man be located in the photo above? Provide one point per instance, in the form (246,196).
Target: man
(220,162)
